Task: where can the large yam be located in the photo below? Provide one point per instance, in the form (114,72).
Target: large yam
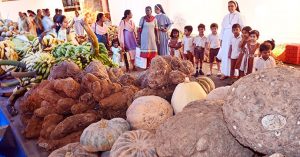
(165,93)
(158,75)
(69,86)
(262,111)
(72,124)
(98,69)
(64,70)
(177,77)
(199,130)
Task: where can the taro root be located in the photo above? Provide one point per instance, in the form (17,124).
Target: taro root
(98,69)
(148,112)
(262,111)
(69,86)
(199,130)
(158,75)
(64,70)
(33,128)
(139,143)
(127,80)
(165,93)
(49,124)
(51,144)
(72,150)
(72,124)
(177,77)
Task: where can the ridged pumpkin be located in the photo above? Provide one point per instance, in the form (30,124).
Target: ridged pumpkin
(101,136)
(139,143)
(185,93)
(72,150)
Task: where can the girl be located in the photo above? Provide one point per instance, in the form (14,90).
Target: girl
(148,36)
(77,24)
(164,24)
(250,53)
(100,29)
(226,35)
(271,43)
(127,37)
(175,44)
(116,50)
(62,28)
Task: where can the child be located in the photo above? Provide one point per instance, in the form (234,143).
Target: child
(245,38)
(200,45)
(250,53)
(175,43)
(272,44)
(116,50)
(214,47)
(234,49)
(265,61)
(62,28)
(188,44)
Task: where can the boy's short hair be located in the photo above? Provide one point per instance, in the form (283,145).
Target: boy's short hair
(247,29)
(189,28)
(214,25)
(201,25)
(264,47)
(256,32)
(236,26)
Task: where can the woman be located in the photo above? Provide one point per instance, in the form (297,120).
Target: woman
(148,36)
(164,24)
(230,19)
(77,25)
(32,26)
(127,37)
(38,22)
(62,28)
(100,29)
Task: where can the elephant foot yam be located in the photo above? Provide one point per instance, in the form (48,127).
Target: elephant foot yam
(64,105)
(72,124)
(33,128)
(49,124)
(49,95)
(50,144)
(64,70)
(69,86)
(87,98)
(81,108)
(98,69)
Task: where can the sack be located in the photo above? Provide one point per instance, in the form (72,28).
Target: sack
(139,61)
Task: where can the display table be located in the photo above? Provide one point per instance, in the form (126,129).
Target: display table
(17,145)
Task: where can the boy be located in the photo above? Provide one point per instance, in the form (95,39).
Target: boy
(200,46)
(214,47)
(234,49)
(265,61)
(188,44)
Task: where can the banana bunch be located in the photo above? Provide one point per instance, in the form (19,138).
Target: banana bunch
(39,62)
(7,51)
(50,40)
(64,50)
(36,45)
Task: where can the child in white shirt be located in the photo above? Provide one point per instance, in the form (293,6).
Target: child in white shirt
(234,49)
(188,44)
(214,47)
(200,46)
(265,61)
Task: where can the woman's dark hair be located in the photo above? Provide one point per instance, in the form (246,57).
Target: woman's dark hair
(272,42)
(126,13)
(60,20)
(174,30)
(236,4)
(214,25)
(148,7)
(201,26)
(160,8)
(189,28)
(247,29)
(256,32)
(264,47)
(236,26)
(99,16)
(116,40)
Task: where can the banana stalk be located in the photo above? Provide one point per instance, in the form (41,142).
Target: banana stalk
(10,83)
(92,36)
(19,74)
(12,99)
(13,63)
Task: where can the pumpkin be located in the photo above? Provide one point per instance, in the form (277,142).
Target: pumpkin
(218,93)
(139,143)
(101,136)
(206,83)
(148,112)
(185,93)
(72,150)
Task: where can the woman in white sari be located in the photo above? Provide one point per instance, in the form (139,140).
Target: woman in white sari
(230,19)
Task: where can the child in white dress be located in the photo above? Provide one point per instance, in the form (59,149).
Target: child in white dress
(116,50)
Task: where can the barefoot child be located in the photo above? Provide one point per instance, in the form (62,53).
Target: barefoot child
(200,45)
(234,49)
(188,44)
(265,61)
(214,47)
(175,43)
(116,50)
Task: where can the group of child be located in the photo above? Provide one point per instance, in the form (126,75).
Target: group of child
(245,53)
